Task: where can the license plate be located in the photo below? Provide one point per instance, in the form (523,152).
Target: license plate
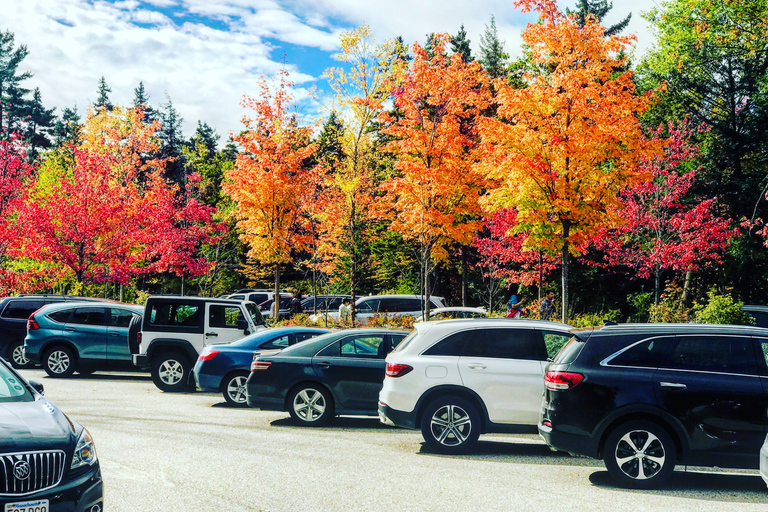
(27,506)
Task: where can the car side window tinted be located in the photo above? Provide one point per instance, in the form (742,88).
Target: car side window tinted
(764,352)
(555,341)
(647,354)
(331,350)
(395,339)
(301,336)
(174,315)
(21,309)
(504,344)
(60,316)
(452,345)
(88,316)
(366,307)
(363,346)
(277,343)
(120,317)
(714,354)
(225,317)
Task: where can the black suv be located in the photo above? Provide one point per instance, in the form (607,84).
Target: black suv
(644,397)
(14,313)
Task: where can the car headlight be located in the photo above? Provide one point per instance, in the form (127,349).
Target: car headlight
(85,451)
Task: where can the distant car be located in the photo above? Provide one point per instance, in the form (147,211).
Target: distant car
(48,462)
(285,307)
(324,303)
(256,296)
(80,336)
(759,313)
(454,312)
(14,313)
(390,306)
(333,374)
(225,368)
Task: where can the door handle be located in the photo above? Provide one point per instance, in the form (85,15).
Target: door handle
(114,334)
(476,366)
(70,329)
(211,334)
(673,385)
(324,365)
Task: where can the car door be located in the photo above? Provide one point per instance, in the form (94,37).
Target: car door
(365,310)
(86,329)
(117,334)
(505,367)
(353,368)
(222,323)
(711,385)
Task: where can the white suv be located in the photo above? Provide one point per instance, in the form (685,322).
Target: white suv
(456,379)
(175,330)
(389,306)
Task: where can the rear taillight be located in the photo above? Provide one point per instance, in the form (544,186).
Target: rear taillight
(397,370)
(32,323)
(562,381)
(208,355)
(138,338)
(260,366)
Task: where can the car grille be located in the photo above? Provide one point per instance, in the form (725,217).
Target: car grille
(25,473)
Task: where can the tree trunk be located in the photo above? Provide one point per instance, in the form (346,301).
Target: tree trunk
(657,287)
(276,301)
(464,283)
(566,234)
(353,265)
(686,289)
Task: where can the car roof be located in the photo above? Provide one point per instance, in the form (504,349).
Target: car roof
(394,296)
(522,323)
(691,328)
(185,298)
(94,304)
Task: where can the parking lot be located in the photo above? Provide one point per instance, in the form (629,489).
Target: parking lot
(192,452)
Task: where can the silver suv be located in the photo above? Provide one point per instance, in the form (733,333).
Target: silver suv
(175,330)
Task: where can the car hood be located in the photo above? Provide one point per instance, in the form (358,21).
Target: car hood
(33,425)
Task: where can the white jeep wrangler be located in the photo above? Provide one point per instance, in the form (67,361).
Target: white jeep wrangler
(176,329)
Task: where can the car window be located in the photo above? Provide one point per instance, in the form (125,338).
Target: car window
(276,343)
(368,306)
(713,354)
(21,308)
(258,298)
(225,317)
(174,315)
(12,389)
(61,316)
(88,316)
(396,339)
(503,344)
(452,345)
(301,336)
(253,310)
(764,351)
(237,297)
(391,305)
(555,341)
(120,317)
(363,346)
(647,354)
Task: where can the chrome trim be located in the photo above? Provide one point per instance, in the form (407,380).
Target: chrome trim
(46,471)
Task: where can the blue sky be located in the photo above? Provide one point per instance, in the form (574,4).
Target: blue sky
(206,54)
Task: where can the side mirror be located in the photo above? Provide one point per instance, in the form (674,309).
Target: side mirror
(37,386)
(243,326)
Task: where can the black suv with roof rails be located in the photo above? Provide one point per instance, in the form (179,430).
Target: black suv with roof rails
(14,313)
(645,397)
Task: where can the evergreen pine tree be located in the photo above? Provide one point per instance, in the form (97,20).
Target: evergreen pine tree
(67,127)
(103,100)
(11,93)
(429,45)
(492,55)
(39,125)
(598,8)
(171,141)
(207,136)
(229,153)
(141,101)
(460,45)
(330,148)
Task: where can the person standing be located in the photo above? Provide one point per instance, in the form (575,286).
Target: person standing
(515,305)
(345,311)
(547,306)
(296,304)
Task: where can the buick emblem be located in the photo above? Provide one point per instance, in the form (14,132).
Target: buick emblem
(21,470)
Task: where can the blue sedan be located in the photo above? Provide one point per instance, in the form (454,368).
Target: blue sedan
(225,368)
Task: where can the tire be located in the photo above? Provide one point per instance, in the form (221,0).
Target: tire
(16,356)
(170,372)
(639,455)
(311,405)
(450,424)
(233,388)
(60,362)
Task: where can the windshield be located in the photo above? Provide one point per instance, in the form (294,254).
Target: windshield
(255,313)
(12,388)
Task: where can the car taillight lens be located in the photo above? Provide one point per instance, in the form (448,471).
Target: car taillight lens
(259,366)
(562,381)
(208,355)
(397,370)
(32,323)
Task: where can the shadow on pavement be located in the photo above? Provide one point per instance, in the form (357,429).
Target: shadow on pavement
(517,451)
(340,423)
(738,488)
(110,376)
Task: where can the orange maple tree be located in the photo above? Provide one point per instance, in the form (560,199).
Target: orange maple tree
(270,182)
(435,198)
(564,146)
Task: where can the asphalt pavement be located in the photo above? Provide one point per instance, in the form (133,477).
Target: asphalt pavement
(192,452)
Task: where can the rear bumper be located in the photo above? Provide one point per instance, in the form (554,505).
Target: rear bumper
(393,417)
(207,382)
(265,404)
(574,444)
(140,360)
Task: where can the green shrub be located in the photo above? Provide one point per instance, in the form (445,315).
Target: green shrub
(595,319)
(666,313)
(721,309)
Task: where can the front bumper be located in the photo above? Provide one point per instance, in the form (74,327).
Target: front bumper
(78,494)
(393,417)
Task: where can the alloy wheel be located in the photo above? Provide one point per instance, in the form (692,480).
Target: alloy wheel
(236,389)
(640,454)
(171,372)
(451,425)
(18,356)
(58,361)
(309,404)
